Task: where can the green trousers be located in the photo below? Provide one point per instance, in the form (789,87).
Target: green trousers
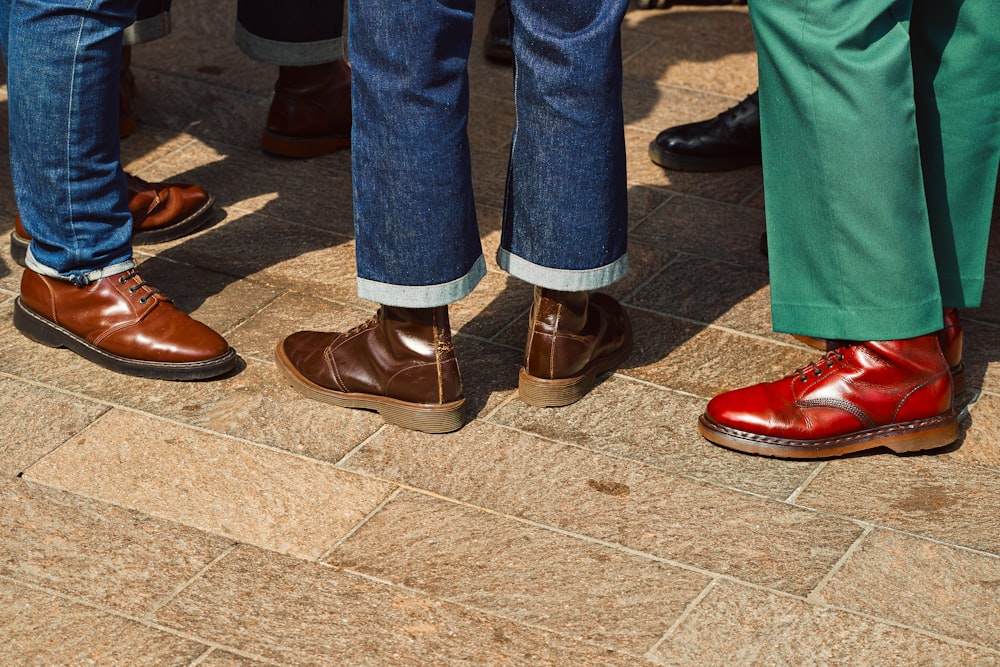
(880,122)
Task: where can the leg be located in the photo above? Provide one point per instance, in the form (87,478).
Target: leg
(310,114)
(80,289)
(565,218)
(896,244)
(417,240)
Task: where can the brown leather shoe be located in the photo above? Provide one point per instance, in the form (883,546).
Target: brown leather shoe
(123,324)
(401,363)
(160,212)
(126,91)
(950,337)
(894,394)
(572,338)
(310,114)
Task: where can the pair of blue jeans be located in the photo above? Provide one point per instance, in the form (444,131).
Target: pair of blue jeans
(62,81)
(293,33)
(565,211)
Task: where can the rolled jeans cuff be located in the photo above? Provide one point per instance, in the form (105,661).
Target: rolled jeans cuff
(146,30)
(79,279)
(564,280)
(422,296)
(288,54)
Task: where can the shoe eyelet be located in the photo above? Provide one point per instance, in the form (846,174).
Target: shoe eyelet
(818,372)
(142,299)
(132,290)
(122,280)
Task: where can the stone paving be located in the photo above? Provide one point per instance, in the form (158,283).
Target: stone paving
(237,523)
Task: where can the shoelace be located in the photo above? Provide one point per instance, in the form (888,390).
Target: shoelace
(131,273)
(828,361)
(137,185)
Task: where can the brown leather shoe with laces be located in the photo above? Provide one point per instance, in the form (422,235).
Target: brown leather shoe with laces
(160,212)
(572,338)
(310,114)
(401,364)
(123,324)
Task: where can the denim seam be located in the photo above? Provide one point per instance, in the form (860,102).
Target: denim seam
(569,280)
(422,296)
(288,54)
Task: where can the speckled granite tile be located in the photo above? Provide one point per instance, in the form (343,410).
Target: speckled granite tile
(491,116)
(653,107)
(40,629)
(142,150)
(218,658)
(930,495)
(705,361)
(35,421)
(291,312)
(709,229)
(643,200)
(497,301)
(646,424)
(727,187)
(489,374)
(520,572)
(615,500)
(734,625)
(979,439)
(112,557)
(702,48)
(923,584)
(255,404)
(489,176)
(301,613)
(981,354)
(244,492)
(702,290)
(295,256)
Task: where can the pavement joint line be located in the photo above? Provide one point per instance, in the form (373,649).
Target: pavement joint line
(322,559)
(239,324)
(117,613)
(683,616)
(172,595)
(649,279)
(814,596)
(346,458)
(791,500)
(202,658)
(512,395)
(448,600)
(672,473)
(614,546)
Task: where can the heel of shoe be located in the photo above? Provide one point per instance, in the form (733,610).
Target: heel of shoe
(36,327)
(18,249)
(430,419)
(936,433)
(544,393)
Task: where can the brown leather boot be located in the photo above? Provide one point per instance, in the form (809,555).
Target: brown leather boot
(123,324)
(950,337)
(310,114)
(160,212)
(400,363)
(572,338)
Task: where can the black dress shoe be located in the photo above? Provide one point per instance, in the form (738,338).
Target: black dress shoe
(729,141)
(497,47)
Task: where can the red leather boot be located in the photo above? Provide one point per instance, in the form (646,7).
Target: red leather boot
(895,394)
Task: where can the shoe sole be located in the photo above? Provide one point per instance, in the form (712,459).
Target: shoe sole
(914,436)
(680,162)
(303,147)
(46,332)
(189,225)
(429,418)
(556,393)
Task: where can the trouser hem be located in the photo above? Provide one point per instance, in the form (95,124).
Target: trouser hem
(77,278)
(422,296)
(288,54)
(876,323)
(566,280)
